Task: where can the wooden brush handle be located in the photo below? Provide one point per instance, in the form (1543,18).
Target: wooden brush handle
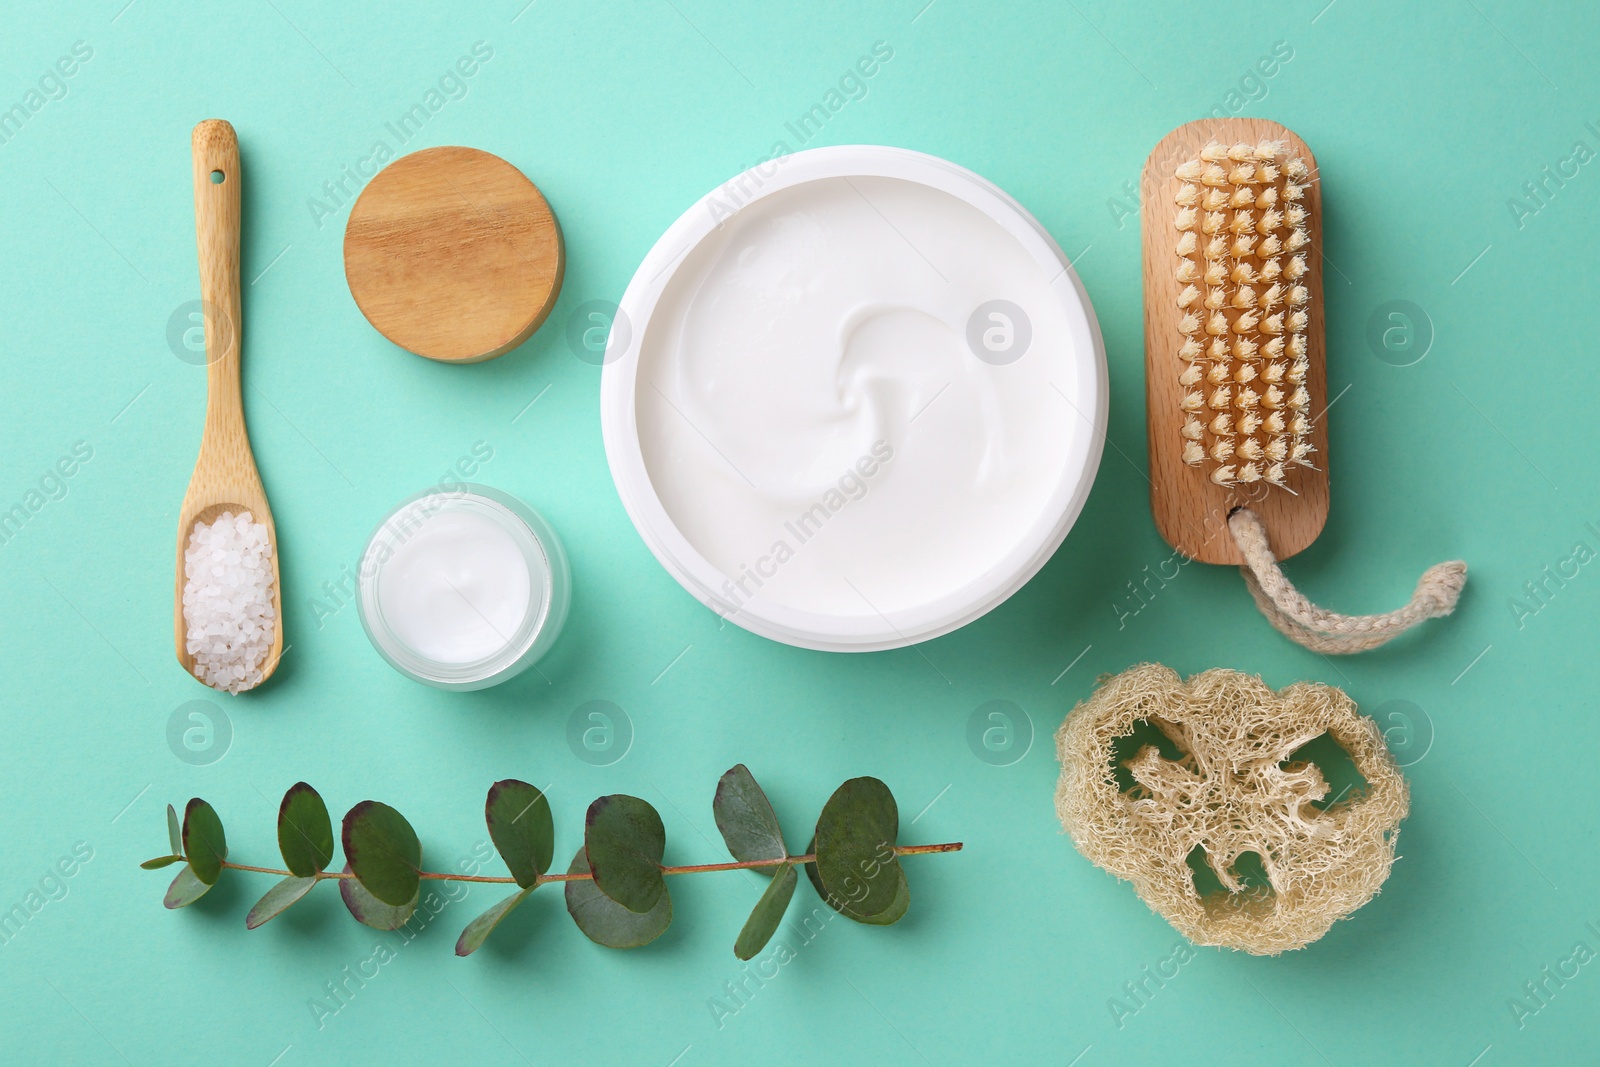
(217,225)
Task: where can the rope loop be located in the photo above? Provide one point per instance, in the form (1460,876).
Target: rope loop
(1326,631)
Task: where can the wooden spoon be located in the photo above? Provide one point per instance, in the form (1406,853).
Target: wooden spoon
(225,476)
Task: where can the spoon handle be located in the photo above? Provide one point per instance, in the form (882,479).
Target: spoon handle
(217,199)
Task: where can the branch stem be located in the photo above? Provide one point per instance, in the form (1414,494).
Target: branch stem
(700,868)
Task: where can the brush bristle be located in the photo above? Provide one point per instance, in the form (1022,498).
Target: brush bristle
(1243,227)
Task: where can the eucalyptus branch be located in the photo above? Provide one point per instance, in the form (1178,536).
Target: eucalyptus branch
(615,886)
(697,868)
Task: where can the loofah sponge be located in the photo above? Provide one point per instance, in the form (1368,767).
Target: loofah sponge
(1231,793)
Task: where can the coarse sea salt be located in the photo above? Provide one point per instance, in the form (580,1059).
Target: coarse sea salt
(227,600)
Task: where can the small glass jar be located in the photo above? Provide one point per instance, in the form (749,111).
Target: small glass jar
(463,588)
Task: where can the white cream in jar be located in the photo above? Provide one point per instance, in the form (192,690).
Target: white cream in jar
(860,399)
(457,589)
(463,588)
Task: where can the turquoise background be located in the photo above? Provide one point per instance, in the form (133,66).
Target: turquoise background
(1426,124)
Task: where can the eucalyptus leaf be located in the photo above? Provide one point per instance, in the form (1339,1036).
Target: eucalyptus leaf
(896,911)
(204,843)
(746,819)
(174,834)
(521,828)
(854,846)
(373,912)
(160,862)
(893,914)
(479,929)
(383,851)
(185,889)
(278,898)
(768,913)
(623,842)
(305,833)
(604,921)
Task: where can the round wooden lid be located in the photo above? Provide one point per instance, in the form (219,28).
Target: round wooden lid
(453,254)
